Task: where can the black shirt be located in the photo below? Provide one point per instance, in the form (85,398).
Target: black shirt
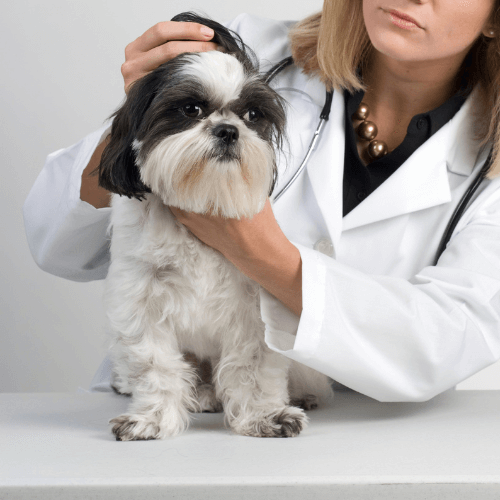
(361,180)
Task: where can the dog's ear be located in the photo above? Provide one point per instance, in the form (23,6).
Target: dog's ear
(229,40)
(118,171)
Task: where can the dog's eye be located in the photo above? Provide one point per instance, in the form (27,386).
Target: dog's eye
(192,110)
(252,115)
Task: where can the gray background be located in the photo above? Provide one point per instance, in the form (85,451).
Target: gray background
(60,65)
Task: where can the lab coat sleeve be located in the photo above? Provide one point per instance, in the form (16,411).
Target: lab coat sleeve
(395,339)
(67,236)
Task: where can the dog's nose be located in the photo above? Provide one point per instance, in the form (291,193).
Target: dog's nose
(227,133)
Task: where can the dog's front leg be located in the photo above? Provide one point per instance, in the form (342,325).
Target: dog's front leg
(162,384)
(251,381)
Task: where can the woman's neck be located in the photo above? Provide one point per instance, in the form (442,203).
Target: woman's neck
(405,89)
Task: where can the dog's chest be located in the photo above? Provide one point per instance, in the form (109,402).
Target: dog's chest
(176,272)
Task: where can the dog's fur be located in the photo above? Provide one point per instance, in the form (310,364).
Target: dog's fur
(199,133)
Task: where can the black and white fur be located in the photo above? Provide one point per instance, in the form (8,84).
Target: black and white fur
(199,133)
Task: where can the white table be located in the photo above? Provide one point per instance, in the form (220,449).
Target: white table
(55,446)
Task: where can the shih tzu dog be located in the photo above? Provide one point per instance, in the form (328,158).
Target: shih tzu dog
(199,133)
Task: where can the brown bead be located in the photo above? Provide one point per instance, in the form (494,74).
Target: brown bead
(362,112)
(377,149)
(367,131)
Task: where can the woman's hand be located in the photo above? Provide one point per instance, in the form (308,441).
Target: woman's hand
(237,240)
(257,247)
(161,43)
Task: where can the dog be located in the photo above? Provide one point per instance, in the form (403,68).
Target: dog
(200,133)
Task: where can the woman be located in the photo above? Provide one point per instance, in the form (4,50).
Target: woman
(345,257)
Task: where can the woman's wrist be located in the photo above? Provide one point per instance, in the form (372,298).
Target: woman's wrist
(276,265)
(90,191)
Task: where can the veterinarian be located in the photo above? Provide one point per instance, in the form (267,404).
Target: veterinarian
(346,256)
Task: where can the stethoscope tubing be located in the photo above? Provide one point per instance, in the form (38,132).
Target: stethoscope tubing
(462,207)
(304,161)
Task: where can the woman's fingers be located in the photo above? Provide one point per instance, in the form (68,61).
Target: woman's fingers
(167,31)
(148,61)
(159,44)
(136,68)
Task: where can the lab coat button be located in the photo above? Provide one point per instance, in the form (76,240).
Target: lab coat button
(325,246)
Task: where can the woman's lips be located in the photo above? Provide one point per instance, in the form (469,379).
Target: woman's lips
(403,20)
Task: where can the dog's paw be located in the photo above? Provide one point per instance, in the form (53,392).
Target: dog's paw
(286,422)
(134,428)
(150,425)
(206,399)
(306,402)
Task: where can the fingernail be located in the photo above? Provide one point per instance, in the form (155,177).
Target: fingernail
(207,31)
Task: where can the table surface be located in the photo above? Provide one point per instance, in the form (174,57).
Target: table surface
(59,445)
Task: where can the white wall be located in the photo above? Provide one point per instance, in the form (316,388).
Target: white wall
(60,78)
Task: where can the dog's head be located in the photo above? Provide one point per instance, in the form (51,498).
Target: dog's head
(200,132)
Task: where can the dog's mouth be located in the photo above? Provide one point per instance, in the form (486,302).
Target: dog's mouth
(227,155)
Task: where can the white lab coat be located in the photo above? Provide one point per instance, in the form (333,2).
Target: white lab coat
(377,316)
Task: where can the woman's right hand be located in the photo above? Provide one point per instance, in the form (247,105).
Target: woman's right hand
(161,43)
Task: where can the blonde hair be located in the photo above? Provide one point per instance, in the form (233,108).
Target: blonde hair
(334,43)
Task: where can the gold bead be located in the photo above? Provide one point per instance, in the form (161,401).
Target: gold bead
(377,149)
(362,112)
(367,131)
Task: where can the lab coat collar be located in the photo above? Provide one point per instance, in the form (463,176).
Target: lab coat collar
(464,151)
(421,182)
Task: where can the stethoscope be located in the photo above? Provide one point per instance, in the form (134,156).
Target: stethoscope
(323,117)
